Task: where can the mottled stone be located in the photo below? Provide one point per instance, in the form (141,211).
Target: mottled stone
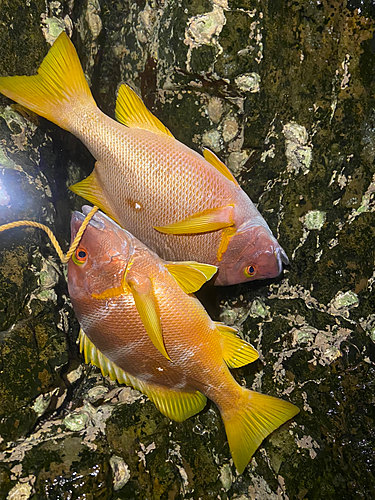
(283,93)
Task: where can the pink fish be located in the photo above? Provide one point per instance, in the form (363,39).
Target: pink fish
(124,295)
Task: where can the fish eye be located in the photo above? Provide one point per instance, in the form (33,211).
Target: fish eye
(249,271)
(80,256)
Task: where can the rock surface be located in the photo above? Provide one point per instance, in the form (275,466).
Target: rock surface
(281,91)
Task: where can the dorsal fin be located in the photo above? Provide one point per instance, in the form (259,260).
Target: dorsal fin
(176,405)
(191,275)
(219,165)
(131,111)
(236,352)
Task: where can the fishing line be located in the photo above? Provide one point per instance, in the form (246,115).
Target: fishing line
(64,258)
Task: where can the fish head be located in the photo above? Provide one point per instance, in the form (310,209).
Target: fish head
(253,253)
(101,258)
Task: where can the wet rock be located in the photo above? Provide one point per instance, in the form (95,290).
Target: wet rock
(283,92)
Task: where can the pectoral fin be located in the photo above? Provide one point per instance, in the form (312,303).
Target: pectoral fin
(131,111)
(148,309)
(219,165)
(236,352)
(176,405)
(191,275)
(91,190)
(212,219)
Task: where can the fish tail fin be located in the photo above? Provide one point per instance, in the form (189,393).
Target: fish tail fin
(251,420)
(58,87)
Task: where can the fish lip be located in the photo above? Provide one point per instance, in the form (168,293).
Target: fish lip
(281,258)
(78,218)
(96,220)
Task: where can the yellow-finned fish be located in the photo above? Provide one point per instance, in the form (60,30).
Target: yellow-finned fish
(121,291)
(183,206)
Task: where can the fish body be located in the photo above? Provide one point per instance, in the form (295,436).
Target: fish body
(109,276)
(182,205)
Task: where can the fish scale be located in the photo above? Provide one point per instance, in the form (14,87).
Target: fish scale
(154,191)
(182,205)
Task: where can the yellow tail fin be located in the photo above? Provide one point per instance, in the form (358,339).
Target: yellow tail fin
(256,416)
(58,86)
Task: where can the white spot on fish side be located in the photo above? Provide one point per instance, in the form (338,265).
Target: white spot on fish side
(137,206)
(160,369)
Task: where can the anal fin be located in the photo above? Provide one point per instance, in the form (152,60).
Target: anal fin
(176,405)
(212,219)
(236,352)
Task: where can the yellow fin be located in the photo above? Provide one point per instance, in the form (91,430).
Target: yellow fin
(228,232)
(90,190)
(176,405)
(59,85)
(236,352)
(212,219)
(219,165)
(109,293)
(131,111)
(253,419)
(148,309)
(191,275)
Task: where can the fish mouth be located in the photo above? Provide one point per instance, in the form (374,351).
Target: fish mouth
(78,218)
(281,258)
(96,220)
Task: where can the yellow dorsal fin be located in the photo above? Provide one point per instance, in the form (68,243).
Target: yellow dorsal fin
(131,111)
(212,219)
(219,165)
(236,352)
(176,405)
(191,275)
(91,190)
(59,85)
(148,310)
(253,418)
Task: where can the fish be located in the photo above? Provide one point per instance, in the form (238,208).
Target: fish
(181,204)
(119,289)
